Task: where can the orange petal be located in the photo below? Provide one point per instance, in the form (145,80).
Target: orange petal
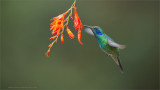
(53,19)
(66,12)
(60,17)
(62,40)
(53,23)
(52,38)
(71,35)
(59,23)
(57,28)
(58,32)
(79,36)
(52,27)
(47,53)
(50,45)
(54,33)
(77,21)
(75,24)
(75,17)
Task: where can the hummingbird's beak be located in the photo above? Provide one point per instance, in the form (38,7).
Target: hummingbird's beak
(87,26)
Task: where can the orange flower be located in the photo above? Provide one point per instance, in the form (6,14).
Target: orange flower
(54,32)
(47,53)
(77,24)
(61,16)
(50,45)
(79,36)
(52,38)
(58,23)
(77,21)
(62,40)
(71,35)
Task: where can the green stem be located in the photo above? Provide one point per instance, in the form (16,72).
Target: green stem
(70,13)
(62,30)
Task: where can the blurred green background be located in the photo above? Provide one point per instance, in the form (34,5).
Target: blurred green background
(25,37)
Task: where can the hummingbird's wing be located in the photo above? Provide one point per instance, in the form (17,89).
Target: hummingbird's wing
(114,44)
(89,31)
(115,56)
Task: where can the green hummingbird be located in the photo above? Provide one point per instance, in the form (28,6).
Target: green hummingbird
(110,47)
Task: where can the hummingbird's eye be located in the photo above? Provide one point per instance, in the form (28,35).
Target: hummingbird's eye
(95,29)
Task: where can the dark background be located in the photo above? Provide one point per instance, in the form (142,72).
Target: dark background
(25,37)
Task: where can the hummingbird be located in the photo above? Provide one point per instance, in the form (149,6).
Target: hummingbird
(107,45)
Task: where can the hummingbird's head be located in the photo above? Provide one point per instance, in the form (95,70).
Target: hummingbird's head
(95,29)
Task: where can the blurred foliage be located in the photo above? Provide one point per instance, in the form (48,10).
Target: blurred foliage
(25,37)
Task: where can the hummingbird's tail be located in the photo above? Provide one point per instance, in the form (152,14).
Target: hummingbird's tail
(117,60)
(119,64)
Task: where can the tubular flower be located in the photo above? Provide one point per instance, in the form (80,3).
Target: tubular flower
(47,53)
(62,40)
(71,35)
(52,38)
(60,22)
(79,36)
(77,24)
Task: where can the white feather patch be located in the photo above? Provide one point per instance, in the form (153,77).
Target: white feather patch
(89,31)
(113,44)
